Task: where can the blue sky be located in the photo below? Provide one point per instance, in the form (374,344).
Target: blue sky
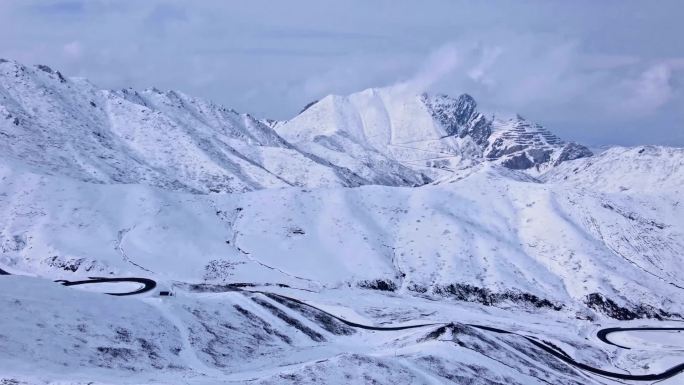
(600,72)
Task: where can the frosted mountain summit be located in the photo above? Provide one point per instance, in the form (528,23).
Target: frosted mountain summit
(174,141)
(434,135)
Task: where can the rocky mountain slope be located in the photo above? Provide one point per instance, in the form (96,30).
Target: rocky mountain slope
(435,135)
(379,208)
(164,139)
(173,141)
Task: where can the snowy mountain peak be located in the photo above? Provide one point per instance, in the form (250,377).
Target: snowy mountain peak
(519,144)
(432,134)
(172,140)
(164,139)
(459,116)
(460,109)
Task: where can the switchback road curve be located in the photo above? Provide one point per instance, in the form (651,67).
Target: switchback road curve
(148,284)
(561,355)
(603,333)
(554,351)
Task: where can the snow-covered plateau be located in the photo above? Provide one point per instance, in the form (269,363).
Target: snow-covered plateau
(383,237)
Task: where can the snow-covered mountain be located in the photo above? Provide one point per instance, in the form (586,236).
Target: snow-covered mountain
(174,141)
(164,139)
(300,251)
(434,135)
(647,170)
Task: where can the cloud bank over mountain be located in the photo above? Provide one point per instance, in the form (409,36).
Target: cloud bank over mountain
(598,72)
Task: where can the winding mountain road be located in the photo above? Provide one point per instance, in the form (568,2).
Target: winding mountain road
(149,284)
(603,333)
(561,355)
(553,350)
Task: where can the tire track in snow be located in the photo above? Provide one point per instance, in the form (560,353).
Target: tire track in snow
(119,246)
(231,224)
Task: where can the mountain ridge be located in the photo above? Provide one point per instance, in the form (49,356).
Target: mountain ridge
(175,141)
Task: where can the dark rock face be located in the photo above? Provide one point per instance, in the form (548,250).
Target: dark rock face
(518,162)
(498,149)
(378,284)
(49,70)
(308,105)
(74,264)
(611,309)
(483,295)
(465,108)
(573,151)
(480,129)
(525,145)
(45,68)
(539,155)
(520,146)
(459,116)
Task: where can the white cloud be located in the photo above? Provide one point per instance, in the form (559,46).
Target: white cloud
(647,93)
(440,64)
(549,76)
(479,72)
(571,64)
(73,50)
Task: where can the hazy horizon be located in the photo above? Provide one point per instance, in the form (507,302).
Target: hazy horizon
(606,73)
